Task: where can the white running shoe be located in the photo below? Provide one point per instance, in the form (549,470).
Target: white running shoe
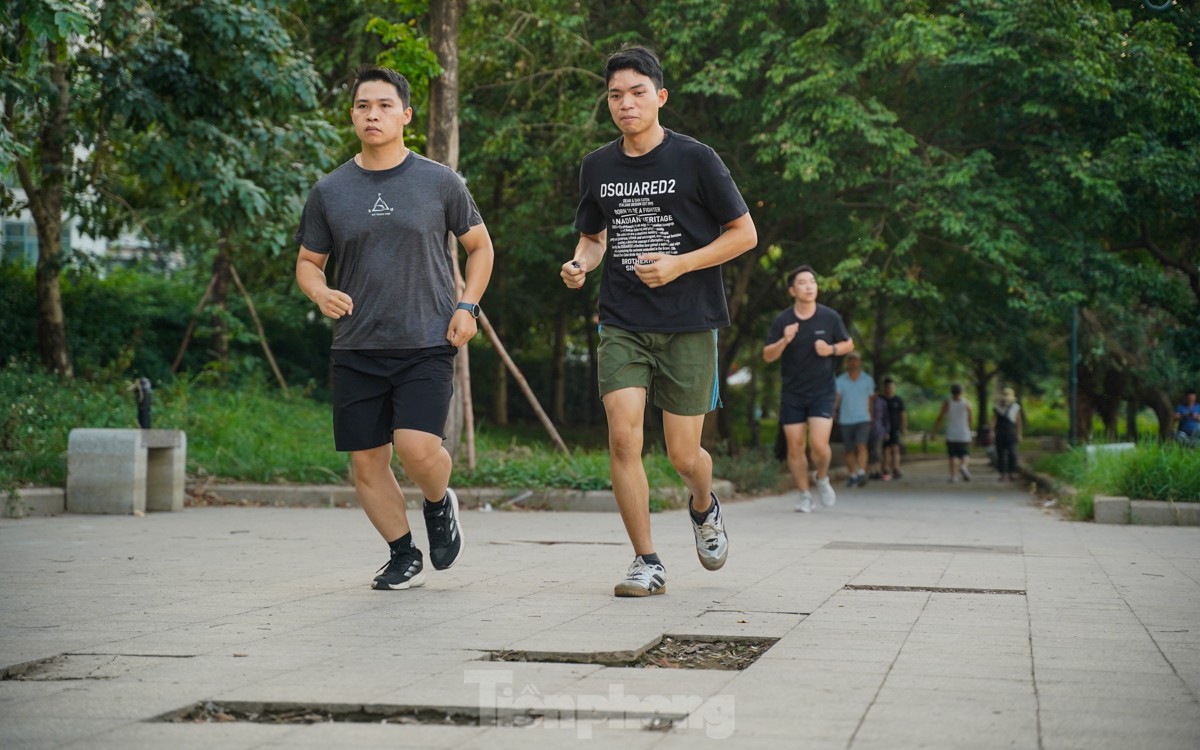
(825,492)
(966,475)
(643,579)
(712,543)
(803,501)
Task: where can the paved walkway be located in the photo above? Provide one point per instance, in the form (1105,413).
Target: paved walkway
(914,614)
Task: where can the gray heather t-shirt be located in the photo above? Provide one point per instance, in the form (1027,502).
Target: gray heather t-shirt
(388,231)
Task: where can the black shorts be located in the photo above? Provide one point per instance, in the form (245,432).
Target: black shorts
(378,391)
(955,449)
(800,413)
(893,438)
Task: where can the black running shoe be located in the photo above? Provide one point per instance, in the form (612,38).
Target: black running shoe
(405,570)
(445,533)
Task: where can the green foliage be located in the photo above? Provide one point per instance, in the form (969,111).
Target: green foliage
(248,433)
(130,324)
(752,470)
(37,413)
(1151,471)
(251,432)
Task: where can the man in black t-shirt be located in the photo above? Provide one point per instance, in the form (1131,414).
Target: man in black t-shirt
(807,336)
(667,212)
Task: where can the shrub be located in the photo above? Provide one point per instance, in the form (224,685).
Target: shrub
(1151,471)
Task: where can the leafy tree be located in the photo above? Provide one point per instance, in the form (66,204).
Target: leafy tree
(213,133)
(39,48)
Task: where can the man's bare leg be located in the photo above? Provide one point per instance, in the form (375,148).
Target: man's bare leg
(378,491)
(625,409)
(689,458)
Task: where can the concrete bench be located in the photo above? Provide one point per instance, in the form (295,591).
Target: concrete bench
(1094,450)
(125,471)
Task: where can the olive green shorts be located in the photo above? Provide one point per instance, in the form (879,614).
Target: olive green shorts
(680,369)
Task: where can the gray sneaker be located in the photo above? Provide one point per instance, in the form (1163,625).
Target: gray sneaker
(643,579)
(803,501)
(712,543)
(825,492)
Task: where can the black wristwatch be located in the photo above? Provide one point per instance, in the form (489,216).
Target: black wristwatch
(470,307)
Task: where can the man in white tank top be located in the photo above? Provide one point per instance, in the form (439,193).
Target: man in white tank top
(957,414)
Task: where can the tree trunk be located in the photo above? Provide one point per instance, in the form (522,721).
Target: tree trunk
(981,395)
(558,379)
(441,144)
(46,204)
(1131,412)
(442,136)
(878,363)
(500,410)
(220,302)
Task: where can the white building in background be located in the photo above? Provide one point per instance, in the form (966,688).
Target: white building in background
(18,235)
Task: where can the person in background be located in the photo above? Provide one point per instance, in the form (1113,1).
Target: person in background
(956,413)
(880,428)
(1187,416)
(1006,432)
(808,337)
(853,407)
(898,424)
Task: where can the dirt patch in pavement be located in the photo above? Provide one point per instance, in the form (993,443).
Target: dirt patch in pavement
(672,652)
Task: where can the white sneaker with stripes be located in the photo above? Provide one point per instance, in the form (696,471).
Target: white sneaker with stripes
(643,579)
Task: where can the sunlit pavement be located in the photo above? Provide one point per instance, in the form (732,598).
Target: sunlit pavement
(913,614)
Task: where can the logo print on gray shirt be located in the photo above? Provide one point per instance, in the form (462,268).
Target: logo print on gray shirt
(381,208)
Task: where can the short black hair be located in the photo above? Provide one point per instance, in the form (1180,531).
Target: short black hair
(888,381)
(366,73)
(805,268)
(956,390)
(637,59)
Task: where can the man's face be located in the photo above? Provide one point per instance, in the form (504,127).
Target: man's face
(804,287)
(854,364)
(1191,399)
(889,390)
(378,114)
(633,102)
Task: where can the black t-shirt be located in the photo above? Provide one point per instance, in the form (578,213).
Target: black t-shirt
(807,376)
(895,407)
(673,200)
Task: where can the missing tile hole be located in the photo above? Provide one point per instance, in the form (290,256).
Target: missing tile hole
(670,652)
(221,712)
(551,542)
(84,666)
(934,589)
(987,549)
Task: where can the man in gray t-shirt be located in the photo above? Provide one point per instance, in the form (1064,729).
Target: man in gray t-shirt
(387,215)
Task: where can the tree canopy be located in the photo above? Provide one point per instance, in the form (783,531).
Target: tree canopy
(962,174)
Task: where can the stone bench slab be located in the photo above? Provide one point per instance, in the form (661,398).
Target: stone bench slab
(125,471)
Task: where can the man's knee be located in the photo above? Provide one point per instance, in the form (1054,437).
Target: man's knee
(625,444)
(418,450)
(685,463)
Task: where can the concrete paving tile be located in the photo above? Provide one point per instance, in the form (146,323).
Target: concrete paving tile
(129,701)
(960,724)
(595,734)
(1079,580)
(40,732)
(347,735)
(1062,695)
(955,685)
(1096,730)
(159,735)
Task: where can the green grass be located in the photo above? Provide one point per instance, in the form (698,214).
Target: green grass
(253,433)
(1151,471)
